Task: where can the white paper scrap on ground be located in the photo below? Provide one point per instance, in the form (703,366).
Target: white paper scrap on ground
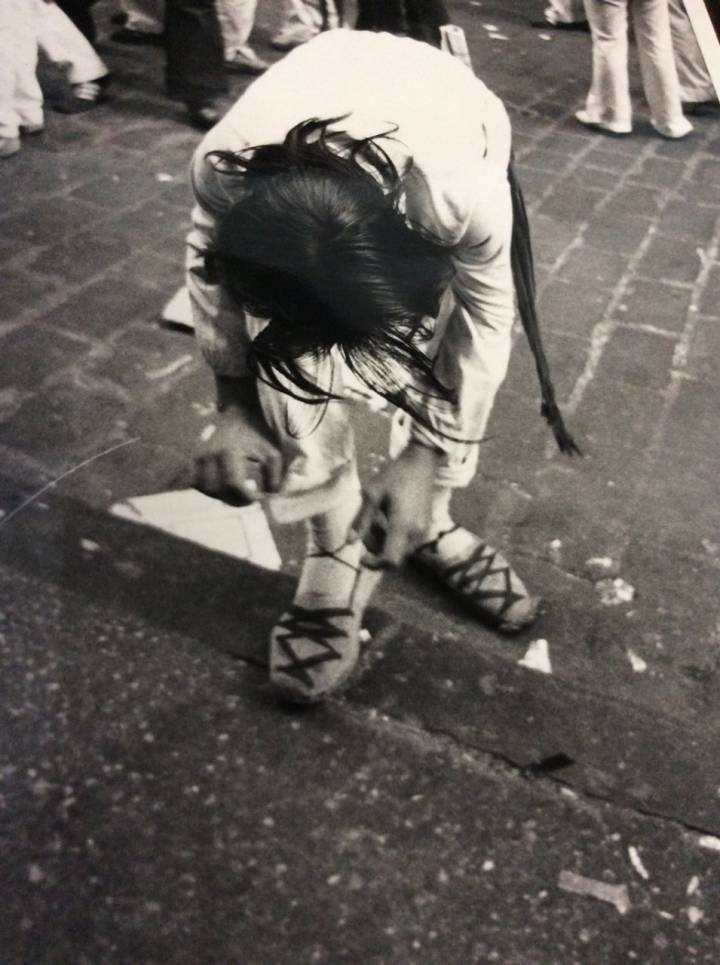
(709,841)
(616,895)
(636,862)
(636,662)
(178,311)
(614,592)
(537,657)
(239,531)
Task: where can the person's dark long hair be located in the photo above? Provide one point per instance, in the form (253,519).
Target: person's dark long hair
(318,245)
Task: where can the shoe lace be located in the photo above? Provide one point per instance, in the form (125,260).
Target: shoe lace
(468,575)
(315,625)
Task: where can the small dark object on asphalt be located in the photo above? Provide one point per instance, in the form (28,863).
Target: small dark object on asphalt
(547,765)
(580,25)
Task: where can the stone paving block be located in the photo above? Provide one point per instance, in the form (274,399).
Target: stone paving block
(550,237)
(608,157)
(659,172)
(701,193)
(572,307)
(692,423)
(615,232)
(148,225)
(704,354)
(586,265)
(566,355)
(569,203)
(616,421)
(708,173)
(684,219)
(710,298)
(637,358)
(142,358)
(30,353)
(636,199)
(49,220)
(105,307)
(666,260)
(678,596)
(22,290)
(86,255)
(654,303)
(543,159)
(116,191)
(68,421)
(534,183)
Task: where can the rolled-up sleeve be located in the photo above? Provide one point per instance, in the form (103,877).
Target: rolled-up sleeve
(220,325)
(474,343)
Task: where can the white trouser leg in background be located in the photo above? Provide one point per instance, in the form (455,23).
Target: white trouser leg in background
(21,100)
(608,100)
(651,21)
(237,18)
(144,16)
(696,86)
(565,11)
(302,19)
(61,42)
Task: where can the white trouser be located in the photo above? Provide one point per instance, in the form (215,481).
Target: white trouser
(695,82)
(21,100)
(565,11)
(310,14)
(61,42)
(609,97)
(237,18)
(145,16)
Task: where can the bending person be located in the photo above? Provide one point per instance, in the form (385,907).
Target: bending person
(368,220)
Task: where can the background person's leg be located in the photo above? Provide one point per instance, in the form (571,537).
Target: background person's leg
(608,103)
(194,68)
(696,86)
(651,21)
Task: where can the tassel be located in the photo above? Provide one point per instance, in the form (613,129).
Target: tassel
(524,277)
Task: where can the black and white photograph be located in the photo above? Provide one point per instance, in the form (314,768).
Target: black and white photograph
(359,482)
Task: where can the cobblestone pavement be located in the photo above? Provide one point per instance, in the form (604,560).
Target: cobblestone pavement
(107,627)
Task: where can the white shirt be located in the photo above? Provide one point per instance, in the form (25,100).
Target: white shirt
(457,133)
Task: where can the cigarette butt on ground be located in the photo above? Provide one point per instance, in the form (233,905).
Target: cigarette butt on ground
(611,894)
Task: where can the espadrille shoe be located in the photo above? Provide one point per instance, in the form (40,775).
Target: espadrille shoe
(480,577)
(315,645)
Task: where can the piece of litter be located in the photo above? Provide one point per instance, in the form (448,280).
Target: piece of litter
(616,895)
(695,914)
(615,592)
(709,842)
(207,433)
(496,36)
(637,663)
(488,865)
(364,636)
(239,531)
(600,564)
(169,369)
(490,27)
(544,37)
(693,885)
(537,657)
(666,915)
(163,177)
(555,544)
(90,546)
(710,547)
(636,862)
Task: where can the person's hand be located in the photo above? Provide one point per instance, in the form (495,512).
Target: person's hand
(241,460)
(394,517)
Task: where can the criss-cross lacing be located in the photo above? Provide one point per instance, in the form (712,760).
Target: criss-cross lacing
(479,576)
(314,646)
(315,626)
